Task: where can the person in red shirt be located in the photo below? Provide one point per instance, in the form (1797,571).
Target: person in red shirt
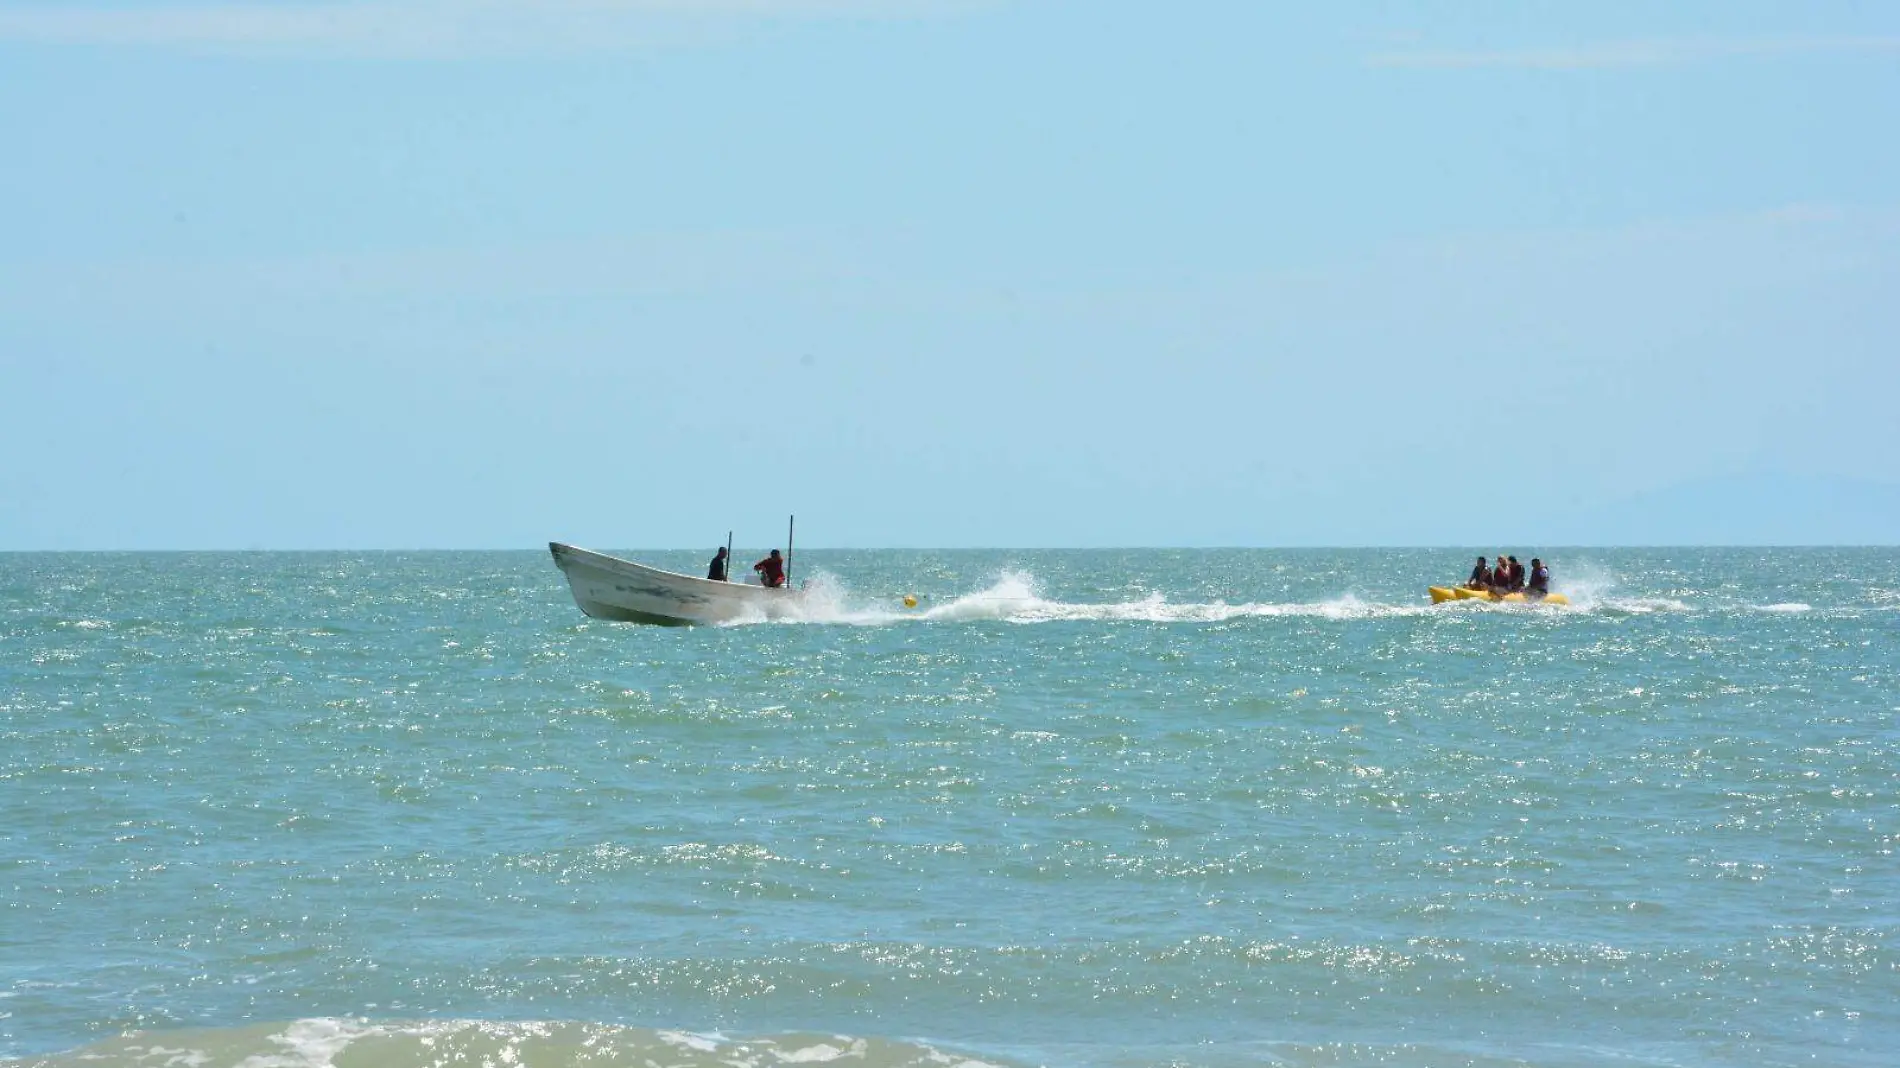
(771,570)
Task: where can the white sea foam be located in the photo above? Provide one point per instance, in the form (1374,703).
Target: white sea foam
(1017,597)
(1591,587)
(318,1043)
(1638,605)
(687,1040)
(313,1043)
(1586,585)
(1786,606)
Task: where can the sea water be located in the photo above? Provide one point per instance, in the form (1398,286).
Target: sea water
(1105,809)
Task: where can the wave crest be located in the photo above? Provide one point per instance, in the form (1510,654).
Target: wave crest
(320,1042)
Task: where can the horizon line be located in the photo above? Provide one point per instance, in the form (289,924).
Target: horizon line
(1304,546)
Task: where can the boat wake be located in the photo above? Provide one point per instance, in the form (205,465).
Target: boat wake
(1593,589)
(1016,597)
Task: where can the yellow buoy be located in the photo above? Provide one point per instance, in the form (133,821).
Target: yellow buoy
(910,600)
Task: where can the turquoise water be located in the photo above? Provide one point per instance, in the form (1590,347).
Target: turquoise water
(1105,809)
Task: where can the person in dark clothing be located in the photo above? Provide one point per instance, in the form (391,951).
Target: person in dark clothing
(1540,579)
(771,570)
(717,569)
(1480,576)
(1517,575)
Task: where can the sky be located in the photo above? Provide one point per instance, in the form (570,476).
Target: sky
(942,273)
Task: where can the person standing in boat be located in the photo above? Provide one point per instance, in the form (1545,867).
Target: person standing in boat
(716,570)
(771,570)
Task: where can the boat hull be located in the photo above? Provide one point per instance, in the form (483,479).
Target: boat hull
(607,587)
(1441,594)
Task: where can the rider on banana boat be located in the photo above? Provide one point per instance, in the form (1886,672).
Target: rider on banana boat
(1501,576)
(1539,586)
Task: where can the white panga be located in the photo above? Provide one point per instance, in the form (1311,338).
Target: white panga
(607,587)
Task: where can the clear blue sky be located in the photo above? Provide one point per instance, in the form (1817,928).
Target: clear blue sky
(421,273)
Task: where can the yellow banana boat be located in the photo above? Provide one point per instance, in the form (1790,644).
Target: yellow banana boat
(1441,594)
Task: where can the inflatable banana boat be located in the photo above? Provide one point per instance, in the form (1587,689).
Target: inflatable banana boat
(1461,593)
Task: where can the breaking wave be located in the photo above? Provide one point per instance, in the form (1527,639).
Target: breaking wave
(341,1042)
(323,1042)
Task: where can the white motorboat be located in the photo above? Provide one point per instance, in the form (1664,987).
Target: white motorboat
(607,587)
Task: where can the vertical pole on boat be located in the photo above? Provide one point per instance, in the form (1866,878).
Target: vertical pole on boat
(790,526)
(728,556)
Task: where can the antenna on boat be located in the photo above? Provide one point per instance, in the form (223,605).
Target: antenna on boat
(790,525)
(728,556)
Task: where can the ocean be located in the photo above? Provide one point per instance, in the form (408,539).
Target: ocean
(1100,809)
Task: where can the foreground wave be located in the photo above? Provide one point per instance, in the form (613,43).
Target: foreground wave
(362,1043)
